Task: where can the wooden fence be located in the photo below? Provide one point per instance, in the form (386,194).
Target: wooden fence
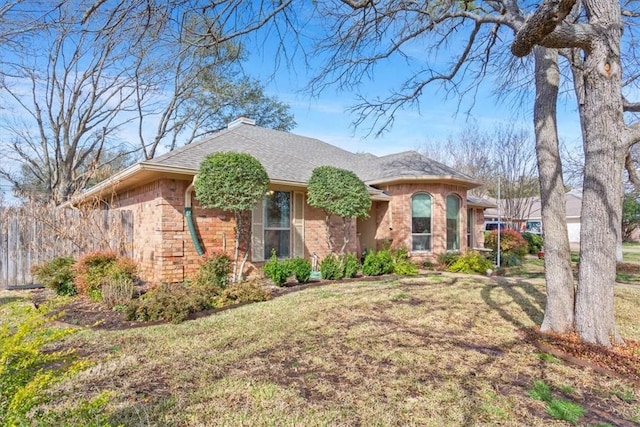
(30,236)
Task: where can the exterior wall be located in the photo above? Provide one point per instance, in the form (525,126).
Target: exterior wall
(479,227)
(315,233)
(394,222)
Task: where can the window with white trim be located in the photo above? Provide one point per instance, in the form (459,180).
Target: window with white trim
(421,222)
(453,222)
(277,223)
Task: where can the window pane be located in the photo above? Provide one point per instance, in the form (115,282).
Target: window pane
(421,225)
(421,206)
(278,240)
(421,242)
(277,210)
(453,226)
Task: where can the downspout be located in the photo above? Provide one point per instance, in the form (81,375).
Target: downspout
(188,215)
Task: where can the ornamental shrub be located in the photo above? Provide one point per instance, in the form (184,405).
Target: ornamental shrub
(56,274)
(469,263)
(401,264)
(513,247)
(29,365)
(331,268)
(172,303)
(351,265)
(214,270)
(534,241)
(377,263)
(445,259)
(94,268)
(278,271)
(301,269)
(243,292)
(117,291)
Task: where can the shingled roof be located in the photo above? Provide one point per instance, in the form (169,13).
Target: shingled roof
(290,157)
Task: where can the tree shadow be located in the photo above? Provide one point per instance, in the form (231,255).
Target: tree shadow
(525,294)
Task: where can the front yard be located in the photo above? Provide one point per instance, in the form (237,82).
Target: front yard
(439,350)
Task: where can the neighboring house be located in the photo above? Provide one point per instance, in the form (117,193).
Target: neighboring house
(417,203)
(533,222)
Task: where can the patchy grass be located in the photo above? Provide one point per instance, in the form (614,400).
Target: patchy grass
(430,351)
(631,252)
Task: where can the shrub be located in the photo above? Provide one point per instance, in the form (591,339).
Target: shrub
(445,259)
(401,264)
(377,263)
(117,291)
(276,270)
(244,292)
(351,265)
(331,268)
(301,269)
(469,263)
(57,275)
(214,270)
(513,247)
(92,269)
(534,241)
(172,303)
(27,366)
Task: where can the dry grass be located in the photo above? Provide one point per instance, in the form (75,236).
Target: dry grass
(439,351)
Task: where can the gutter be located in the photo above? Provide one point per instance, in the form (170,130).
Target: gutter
(188,215)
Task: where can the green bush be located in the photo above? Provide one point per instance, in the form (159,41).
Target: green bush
(214,270)
(276,270)
(401,264)
(445,259)
(92,269)
(351,265)
(172,303)
(301,269)
(469,263)
(57,275)
(377,263)
(534,241)
(28,366)
(331,268)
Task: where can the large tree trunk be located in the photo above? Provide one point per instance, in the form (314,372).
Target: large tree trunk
(558,314)
(603,126)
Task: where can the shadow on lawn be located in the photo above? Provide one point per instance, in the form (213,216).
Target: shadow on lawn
(9,300)
(526,295)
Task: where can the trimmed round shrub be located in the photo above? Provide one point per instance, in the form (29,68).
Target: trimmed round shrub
(469,263)
(331,268)
(57,275)
(301,269)
(214,270)
(92,269)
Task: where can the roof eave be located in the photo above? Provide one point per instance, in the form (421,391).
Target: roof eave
(425,178)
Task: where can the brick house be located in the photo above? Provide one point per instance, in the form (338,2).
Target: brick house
(417,203)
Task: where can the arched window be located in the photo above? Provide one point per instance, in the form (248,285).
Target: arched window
(453,222)
(421,222)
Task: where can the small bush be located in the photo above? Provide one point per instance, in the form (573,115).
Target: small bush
(301,269)
(331,268)
(172,303)
(92,269)
(445,259)
(243,292)
(378,263)
(214,270)
(116,291)
(57,275)
(405,268)
(511,241)
(469,263)
(27,367)
(534,241)
(276,270)
(351,265)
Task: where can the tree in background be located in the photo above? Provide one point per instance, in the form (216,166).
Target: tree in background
(232,182)
(630,215)
(338,192)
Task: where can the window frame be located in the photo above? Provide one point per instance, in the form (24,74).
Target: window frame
(266,228)
(430,234)
(457,228)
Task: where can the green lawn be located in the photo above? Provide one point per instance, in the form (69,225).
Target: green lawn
(435,351)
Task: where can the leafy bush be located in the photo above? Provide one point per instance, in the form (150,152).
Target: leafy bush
(377,263)
(56,274)
(276,270)
(513,247)
(301,269)
(27,369)
(331,268)
(92,269)
(172,303)
(243,292)
(214,270)
(469,263)
(351,265)
(534,241)
(401,264)
(445,259)
(117,291)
